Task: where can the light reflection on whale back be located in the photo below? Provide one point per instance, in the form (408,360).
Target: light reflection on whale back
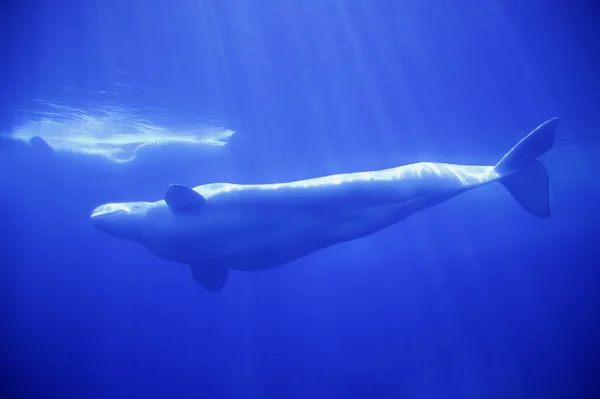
(392,186)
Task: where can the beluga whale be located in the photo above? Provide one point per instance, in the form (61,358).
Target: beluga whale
(218,227)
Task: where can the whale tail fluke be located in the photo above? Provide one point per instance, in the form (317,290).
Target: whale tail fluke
(530,188)
(526,178)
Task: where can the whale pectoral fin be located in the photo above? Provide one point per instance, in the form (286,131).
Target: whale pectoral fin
(182,199)
(40,145)
(210,277)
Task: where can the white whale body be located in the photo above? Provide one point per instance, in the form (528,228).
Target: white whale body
(222,226)
(112,133)
(99,152)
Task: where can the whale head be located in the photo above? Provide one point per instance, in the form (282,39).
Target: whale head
(123,220)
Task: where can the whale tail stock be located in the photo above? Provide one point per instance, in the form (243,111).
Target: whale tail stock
(526,178)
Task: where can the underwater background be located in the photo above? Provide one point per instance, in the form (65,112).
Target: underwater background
(471,299)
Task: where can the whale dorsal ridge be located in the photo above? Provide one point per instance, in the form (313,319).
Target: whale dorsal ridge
(181,198)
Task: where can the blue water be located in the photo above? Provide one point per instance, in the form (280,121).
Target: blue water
(474,298)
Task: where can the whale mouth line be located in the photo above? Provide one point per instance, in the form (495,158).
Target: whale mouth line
(109,209)
(97,214)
